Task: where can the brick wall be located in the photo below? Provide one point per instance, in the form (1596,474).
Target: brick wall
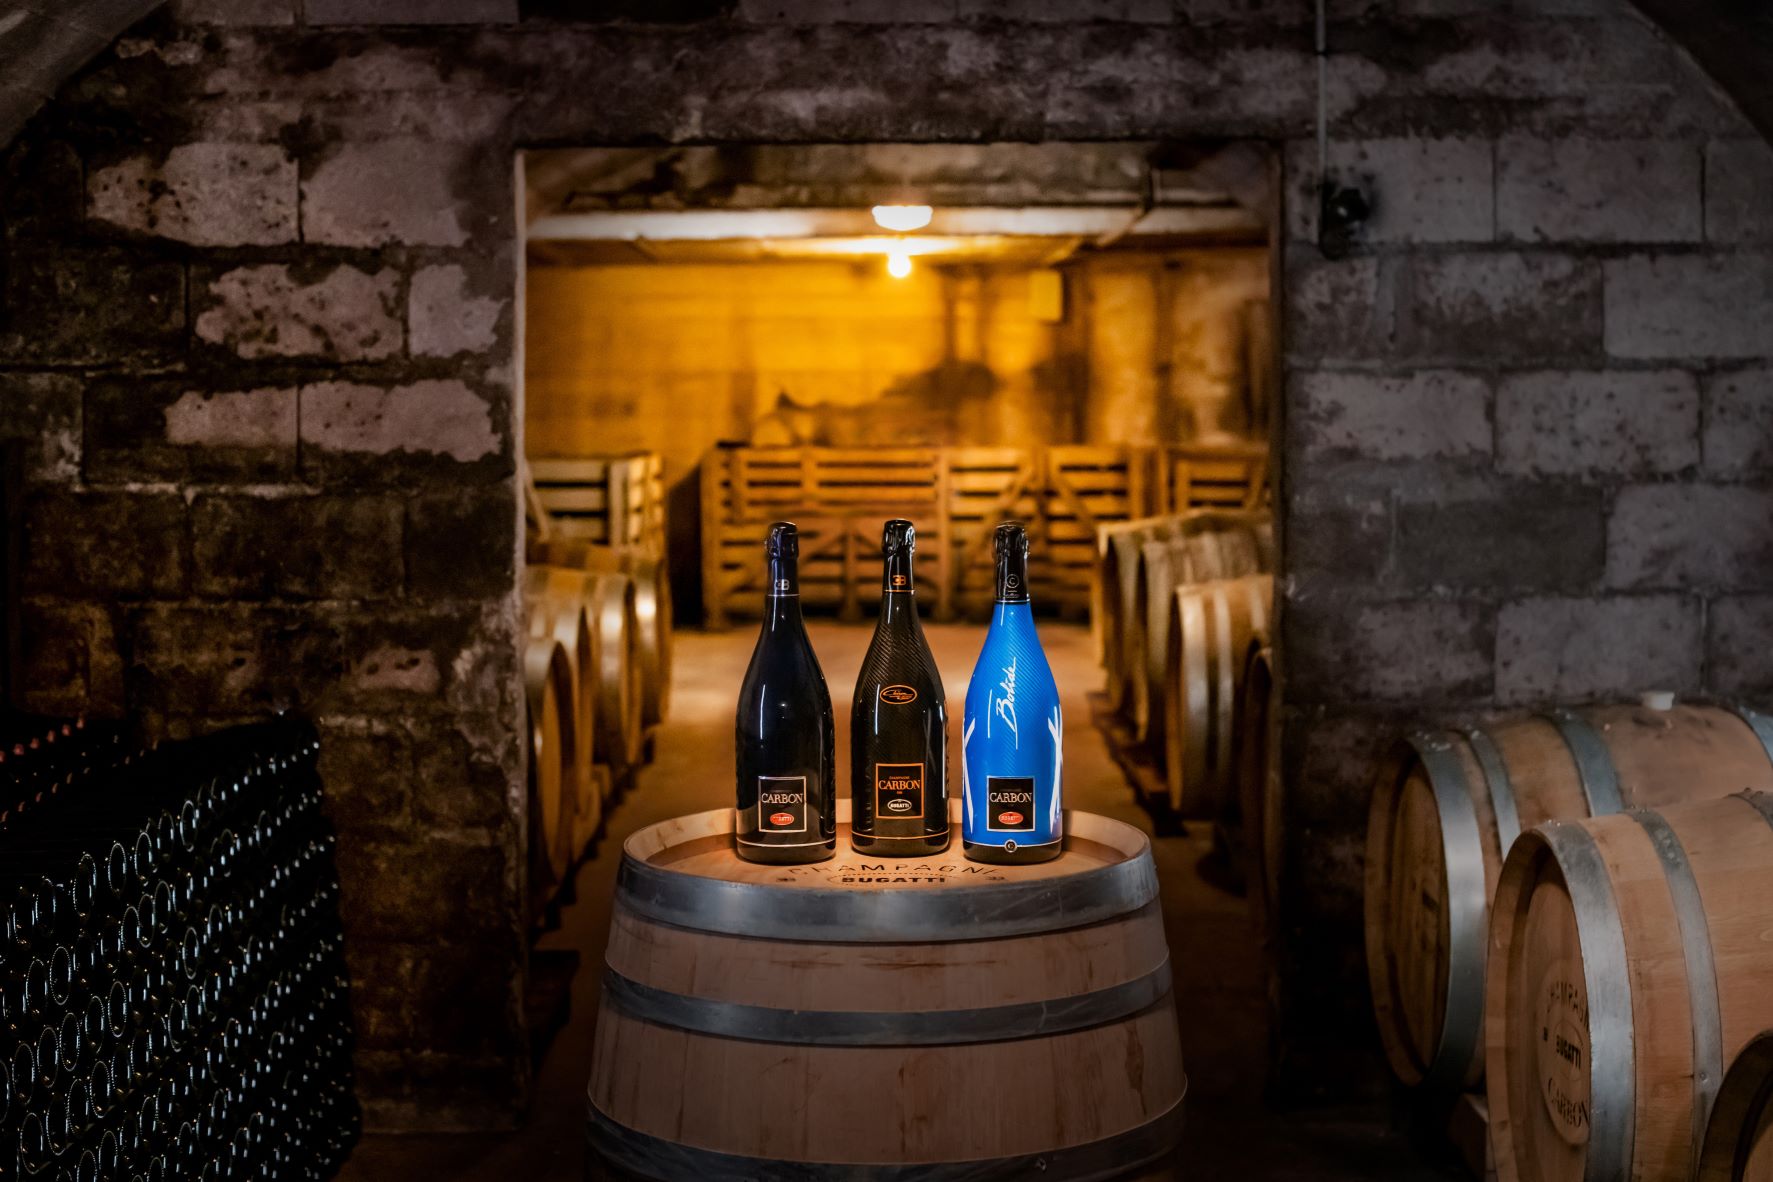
(259,282)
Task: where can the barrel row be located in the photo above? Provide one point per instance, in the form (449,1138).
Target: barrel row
(1551,899)
(596,676)
(1183,601)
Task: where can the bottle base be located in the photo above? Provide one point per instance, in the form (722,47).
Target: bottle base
(765,855)
(1024,855)
(896,847)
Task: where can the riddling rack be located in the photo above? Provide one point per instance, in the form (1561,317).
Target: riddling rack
(171,960)
(840,496)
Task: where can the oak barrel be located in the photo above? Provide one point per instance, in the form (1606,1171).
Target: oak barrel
(619,735)
(1117,573)
(1629,962)
(1447,806)
(1738,1145)
(548,688)
(560,604)
(653,614)
(1213,546)
(885,1018)
(1206,648)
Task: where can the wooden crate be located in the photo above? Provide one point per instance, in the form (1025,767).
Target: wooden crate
(840,496)
(1211,476)
(1061,494)
(610,500)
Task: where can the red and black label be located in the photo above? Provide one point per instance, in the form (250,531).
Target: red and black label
(781,804)
(898,790)
(1009,802)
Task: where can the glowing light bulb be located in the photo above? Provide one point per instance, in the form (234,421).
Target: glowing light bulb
(898,262)
(902,219)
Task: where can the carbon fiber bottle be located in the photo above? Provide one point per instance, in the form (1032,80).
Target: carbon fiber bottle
(787,783)
(1012,735)
(899,722)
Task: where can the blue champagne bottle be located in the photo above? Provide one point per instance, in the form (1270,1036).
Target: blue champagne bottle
(1013,735)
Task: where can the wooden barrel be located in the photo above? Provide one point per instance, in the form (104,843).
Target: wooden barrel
(1206,647)
(653,615)
(1738,1145)
(1117,580)
(652,623)
(1629,963)
(619,735)
(561,606)
(1448,805)
(548,690)
(923,1017)
(1256,757)
(1213,546)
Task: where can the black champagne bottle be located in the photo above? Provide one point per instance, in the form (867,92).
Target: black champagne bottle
(899,722)
(787,790)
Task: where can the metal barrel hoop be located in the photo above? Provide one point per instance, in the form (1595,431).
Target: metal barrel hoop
(1702,973)
(1501,788)
(1594,764)
(1467,915)
(1611,1054)
(864,1028)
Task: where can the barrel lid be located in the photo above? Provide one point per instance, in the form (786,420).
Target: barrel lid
(684,872)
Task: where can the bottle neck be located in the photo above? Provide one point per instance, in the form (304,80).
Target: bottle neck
(782,600)
(898,589)
(1012,578)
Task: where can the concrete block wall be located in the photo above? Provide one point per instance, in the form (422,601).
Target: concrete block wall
(260,332)
(258,329)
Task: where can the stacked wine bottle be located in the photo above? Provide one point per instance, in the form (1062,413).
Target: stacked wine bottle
(173,998)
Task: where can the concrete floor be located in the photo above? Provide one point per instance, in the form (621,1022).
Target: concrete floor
(1218,983)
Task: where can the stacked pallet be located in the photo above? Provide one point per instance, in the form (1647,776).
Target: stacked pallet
(838,497)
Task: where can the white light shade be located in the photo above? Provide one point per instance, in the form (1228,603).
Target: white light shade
(898,262)
(902,218)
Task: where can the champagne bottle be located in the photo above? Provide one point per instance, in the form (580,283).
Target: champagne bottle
(899,722)
(1012,735)
(787,790)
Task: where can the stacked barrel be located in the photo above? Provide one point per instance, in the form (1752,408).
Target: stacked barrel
(1183,603)
(597,678)
(1570,909)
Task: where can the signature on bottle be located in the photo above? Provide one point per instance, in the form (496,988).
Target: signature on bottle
(1005,707)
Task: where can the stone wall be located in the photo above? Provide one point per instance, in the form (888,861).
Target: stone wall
(250,262)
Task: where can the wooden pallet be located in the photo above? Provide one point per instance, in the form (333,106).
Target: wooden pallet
(609,500)
(1215,476)
(840,496)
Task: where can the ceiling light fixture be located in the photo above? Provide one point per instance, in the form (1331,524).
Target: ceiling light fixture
(902,218)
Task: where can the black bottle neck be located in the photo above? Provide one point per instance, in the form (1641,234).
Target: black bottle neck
(1012,576)
(898,598)
(782,600)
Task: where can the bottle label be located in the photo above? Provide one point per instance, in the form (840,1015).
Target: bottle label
(1009,803)
(781,804)
(898,790)
(898,695)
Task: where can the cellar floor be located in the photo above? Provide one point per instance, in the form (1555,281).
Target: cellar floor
(1219,990)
